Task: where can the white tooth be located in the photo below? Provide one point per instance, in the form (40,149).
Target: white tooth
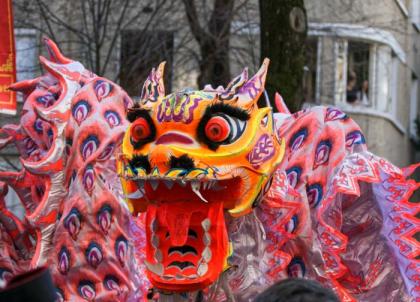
(179,277)
(206,254)
(195,186)
(193,276)
(202,269)
(140,183)
(154,183)
(181,182)
(168,183)
(155,268)
(212,183)
(206,224)
(136,195)
(168,277)
(159,256)
(155,241)
(153,225)
(206,239)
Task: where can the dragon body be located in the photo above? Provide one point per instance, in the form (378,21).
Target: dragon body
(226,198)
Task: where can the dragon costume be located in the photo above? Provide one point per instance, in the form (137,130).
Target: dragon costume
(226,197)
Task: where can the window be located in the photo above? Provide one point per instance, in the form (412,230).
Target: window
(340,54)
(310,87)
(415,13)
(26,54)
(357,86)
(366,76)
(140,52)
(414,105)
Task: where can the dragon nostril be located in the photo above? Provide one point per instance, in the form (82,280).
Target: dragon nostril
(182,162)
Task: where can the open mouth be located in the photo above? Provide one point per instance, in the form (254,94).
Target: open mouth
(185,228)
(159,189)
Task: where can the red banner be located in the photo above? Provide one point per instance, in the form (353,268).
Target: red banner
(7,58)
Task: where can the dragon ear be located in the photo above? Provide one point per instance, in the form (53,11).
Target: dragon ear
(54,52)
(153,87)
(249,93)
(233,87)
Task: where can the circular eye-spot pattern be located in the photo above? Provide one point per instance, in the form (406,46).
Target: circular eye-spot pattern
(140,130)
(89,146)
(30,145)
(64,260)
(87,290)
(104,218)
(88,178)
(80,111)
(102,89)
(292,225)
(121,249)
(38,126)
(296,268)
(112,118)
(111,283)
(217,129)
(73,222)
(60,294)
(94,254)
(107,152)
(46,100)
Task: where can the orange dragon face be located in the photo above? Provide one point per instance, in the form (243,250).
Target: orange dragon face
(188,159)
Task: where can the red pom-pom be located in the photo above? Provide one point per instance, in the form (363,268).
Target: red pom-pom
(140,129)
(217,129)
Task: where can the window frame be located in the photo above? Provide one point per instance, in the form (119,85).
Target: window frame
(376,37)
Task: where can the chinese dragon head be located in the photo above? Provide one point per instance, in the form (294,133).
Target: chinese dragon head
(188,159)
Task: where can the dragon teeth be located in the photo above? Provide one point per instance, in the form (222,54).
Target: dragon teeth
(195,186)
(154,268)
(155,241)
(206,224)
(181,182)
(159,256)
(202,269)
(206,254)
(154,225)
(154,184)
(169,184)
(140,183)
(206,239)
(136,195)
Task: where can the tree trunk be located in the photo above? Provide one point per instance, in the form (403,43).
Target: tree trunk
(283,35)
(213,40)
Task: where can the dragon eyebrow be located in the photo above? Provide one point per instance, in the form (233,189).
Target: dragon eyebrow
(239,113)
(136,112)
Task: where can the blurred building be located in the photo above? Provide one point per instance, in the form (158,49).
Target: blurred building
(364,58)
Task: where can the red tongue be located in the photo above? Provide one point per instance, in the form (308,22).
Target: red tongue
(178,222)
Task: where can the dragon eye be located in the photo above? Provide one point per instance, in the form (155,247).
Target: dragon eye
(140,129)
(217,129)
